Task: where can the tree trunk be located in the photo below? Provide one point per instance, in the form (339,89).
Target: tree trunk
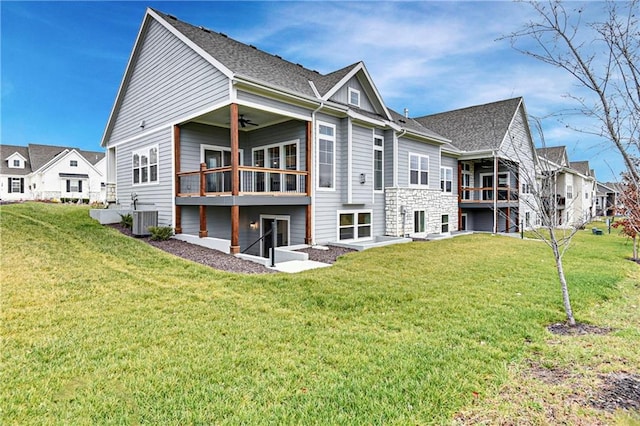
(565,289)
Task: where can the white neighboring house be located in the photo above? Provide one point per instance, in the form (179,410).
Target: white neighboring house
(45,172)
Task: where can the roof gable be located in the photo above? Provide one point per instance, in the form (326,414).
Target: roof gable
(8,153)
(555,154)
(475,128)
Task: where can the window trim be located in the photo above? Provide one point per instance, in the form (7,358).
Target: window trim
(420,156)
(443,223)
(282,160)
(333,140)
(351,91)
(443,188)
(73,163)
(146,151)
(355,225)
(380,149)
(424,222)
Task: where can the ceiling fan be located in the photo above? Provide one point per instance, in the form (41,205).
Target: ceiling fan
(244,121)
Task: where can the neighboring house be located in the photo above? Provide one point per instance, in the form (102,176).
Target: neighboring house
(606,199)
(496,164)
(572,184)
(45,172)
(223,139)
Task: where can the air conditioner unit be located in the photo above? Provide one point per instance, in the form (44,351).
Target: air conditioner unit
(142,220)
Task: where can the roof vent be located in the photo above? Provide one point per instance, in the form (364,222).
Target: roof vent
(253,47)
(223,35)
(300,65)
(406,112)
(278,56)
(172,17)
(206,30)
(402,121)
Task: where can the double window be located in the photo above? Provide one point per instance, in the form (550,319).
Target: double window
(355,225)
(326,155)
(446,179)
(280,156)
(145,165)
(418,169)
(378,163)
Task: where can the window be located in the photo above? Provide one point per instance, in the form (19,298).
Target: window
(378,163)
(326,155)
(16,185)
(16,163)
(445,223)
(354,225)
(527,219)
(418,169)
(279,156)
(145,165)
(354,97)
(73,163)
(570,191)
(526,188)
(419,222)
(586,195)
(74,185)
(466,180)
(446,178)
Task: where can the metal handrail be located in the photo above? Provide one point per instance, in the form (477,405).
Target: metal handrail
(257,241)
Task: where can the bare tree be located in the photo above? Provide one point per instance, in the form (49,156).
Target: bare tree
(603,57)
(543,194)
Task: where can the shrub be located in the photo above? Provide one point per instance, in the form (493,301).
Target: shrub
(126,220)
(160,233)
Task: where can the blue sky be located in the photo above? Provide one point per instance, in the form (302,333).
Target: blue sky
(62,62)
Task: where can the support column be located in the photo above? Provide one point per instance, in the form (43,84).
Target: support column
(495,194)
(235,180)
(203,209)
(176,159)
(308,182)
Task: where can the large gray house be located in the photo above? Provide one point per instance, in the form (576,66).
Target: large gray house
(222,139)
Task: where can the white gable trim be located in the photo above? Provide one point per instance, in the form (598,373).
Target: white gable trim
(62,156)
(15,154)
(349,76)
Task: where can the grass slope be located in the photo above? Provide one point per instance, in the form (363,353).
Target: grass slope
(99,328)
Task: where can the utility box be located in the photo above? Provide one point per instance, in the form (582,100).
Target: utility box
(142,220)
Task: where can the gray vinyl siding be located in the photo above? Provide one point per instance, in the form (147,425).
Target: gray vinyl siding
(297,224)
(193,135)
(446,161)
(190,220)
(156,196)
(283,107)
(167,81)
(362,162)
(388,159)
(407,146)
(342,95)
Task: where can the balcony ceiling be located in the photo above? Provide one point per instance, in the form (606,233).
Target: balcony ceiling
(220,118)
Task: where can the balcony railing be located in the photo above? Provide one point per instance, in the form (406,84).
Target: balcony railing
(486,194)
(253,181)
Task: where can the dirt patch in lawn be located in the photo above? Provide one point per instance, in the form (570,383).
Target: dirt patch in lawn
(618,391)
(564,329)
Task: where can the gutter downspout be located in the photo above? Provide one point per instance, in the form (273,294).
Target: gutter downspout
(495,193)
(313,187)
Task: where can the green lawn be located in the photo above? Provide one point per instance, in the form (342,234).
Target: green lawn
(99,328)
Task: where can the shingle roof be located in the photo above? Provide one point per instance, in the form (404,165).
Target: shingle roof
(38,155)
(581,167)
(475,128)
(556,154)
(414,126)
(324,83)
(5,152)
(246,60)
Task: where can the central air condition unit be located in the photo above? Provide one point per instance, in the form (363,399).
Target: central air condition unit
(142,220)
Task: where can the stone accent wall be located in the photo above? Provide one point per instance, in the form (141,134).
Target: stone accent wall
(434,202)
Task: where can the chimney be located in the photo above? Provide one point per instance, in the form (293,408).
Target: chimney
(406,113)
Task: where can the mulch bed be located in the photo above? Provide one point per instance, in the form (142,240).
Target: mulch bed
(618,391)
(564,329)
(226,262)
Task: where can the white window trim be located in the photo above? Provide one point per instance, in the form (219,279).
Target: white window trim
(317,149)
(420,233)
(355,225)
(350,91)
(418,185)
(71,163)
(204,147)
(444,168)
(495,183)
(281,145)
(377,148)
(146,150)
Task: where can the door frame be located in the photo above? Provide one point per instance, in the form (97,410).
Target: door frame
(270,217)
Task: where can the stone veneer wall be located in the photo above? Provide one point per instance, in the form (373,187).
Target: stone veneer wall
(435,203)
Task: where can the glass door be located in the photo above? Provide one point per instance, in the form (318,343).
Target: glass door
(282,233)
